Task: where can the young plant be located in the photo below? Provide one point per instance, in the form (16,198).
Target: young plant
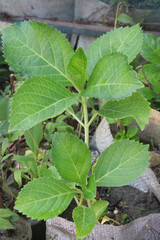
(46,59)
(126,132)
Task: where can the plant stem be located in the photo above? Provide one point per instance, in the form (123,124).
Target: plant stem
(12,194)
(86,127)
(76,200)
(92,119)
(74,115)
(81,200)
(6,186)
(116,18)
(89,203)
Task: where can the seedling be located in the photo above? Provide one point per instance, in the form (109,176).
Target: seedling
(46,59)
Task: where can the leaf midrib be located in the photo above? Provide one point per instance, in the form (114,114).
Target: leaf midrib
(31,115)
(45,60)
(72,161)
(34,141)
(119,166)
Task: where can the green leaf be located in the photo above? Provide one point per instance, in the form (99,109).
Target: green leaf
(112,79)
(7,213)
(84,219)
(29,162)
(36,49)
(2,165)
(44,198)
(4,125)
(4,145)
(121,163)
(18,176)
(147,93)
(15,136)
(4,108)
(5,224)
(124,18)
(37,100)
(6,156)
(90,191)
(151,48)
(49,172)
(132,131)
(126,40)
(100,208)
(126,121)
(77,69)
(134,106)
(71,157)
(33,137)
(152,73)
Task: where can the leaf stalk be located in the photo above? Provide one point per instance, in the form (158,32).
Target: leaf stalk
(86,127)
(74,115)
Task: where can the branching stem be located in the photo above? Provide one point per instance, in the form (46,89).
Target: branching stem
(92,119)
(81,200)
(76,200)
(74,115)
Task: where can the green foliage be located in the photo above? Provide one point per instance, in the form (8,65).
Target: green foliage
(71,157)
(28,162)
(44,56)
(134,106)
(130,133)
(84,219)
(77,69)
(46,48)
(6,217)
(112,78)
(4,108)
(18,174)
(126,40)
(4,125)
(151,48)
(44,198)
(49,172)
(100,208)
(121,163)
(4,145)
(4,115)
(90,190)
(33,137)
(59,125)
(124,18)
(43,99)
(150,72)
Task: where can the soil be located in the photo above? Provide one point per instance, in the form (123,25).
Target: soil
(131,201)
(22,232)
(126,200)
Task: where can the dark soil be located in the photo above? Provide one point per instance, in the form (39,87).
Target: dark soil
(130,201)
(22,232)
(127,200)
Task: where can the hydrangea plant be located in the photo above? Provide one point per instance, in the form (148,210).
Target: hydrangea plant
(48,63)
